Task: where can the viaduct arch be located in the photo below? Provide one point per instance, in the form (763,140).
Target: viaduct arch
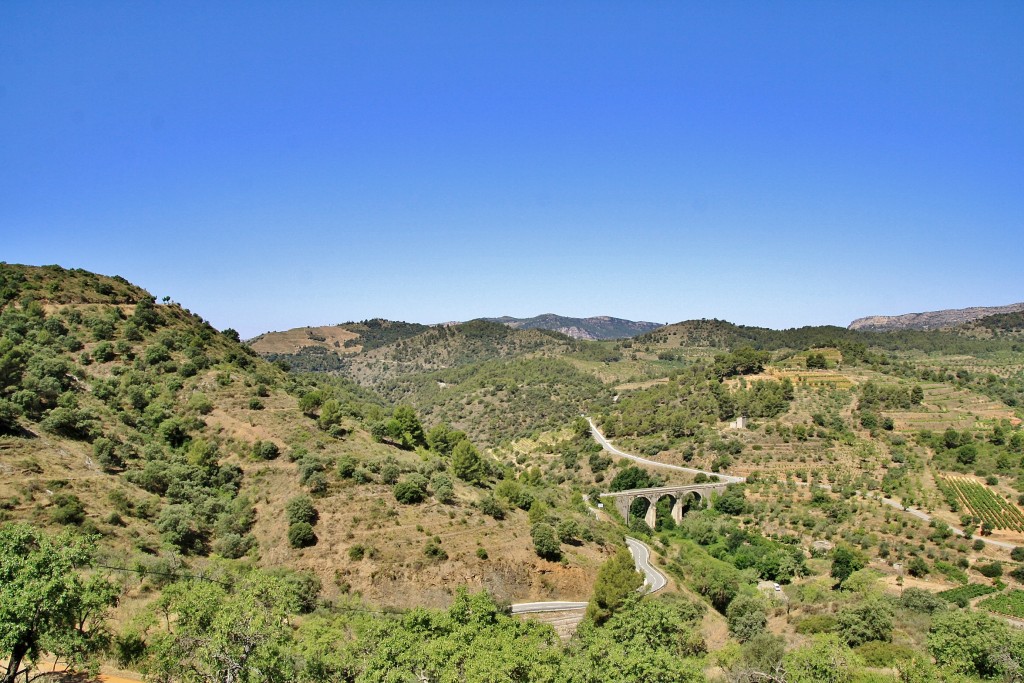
(624,499)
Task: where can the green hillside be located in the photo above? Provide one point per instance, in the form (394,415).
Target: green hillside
(176,443)
(376,518)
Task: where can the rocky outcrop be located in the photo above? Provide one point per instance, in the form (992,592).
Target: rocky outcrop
(932,320)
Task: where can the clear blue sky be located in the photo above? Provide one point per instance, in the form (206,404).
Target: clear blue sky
(271,165)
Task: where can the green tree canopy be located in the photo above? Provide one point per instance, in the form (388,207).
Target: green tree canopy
(870,619)
(236,635)
(467,463)
(545,542)
(845,561)
(442,439)
(47,606)
(975,644)
(747,615)
(826,660)
(632,477)
(617,579)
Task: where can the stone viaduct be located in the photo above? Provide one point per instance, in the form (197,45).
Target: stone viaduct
(624,499)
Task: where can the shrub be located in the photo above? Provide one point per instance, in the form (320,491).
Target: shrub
(177,526)
(303,588)
(869,620)
(71,423)
(434,551)
(817,623)
(919,600)
(233,546)
(882,654)
(346,467)
(411,490)
(481,553)
(544,541)
(568,531)
(317,484)
(301,535)
(128,648)
(300,509)
(68,509)
(492,507)
(9,413)
(389,472)
(104,450)
(310,465)
(747,616)
(992,571)
(444,488)
(917,567)
(265,450)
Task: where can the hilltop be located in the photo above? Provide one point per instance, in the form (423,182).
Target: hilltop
(320,349)
(594,328)
(932,320)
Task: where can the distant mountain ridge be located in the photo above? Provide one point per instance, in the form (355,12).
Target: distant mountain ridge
(594,328)
(932,320)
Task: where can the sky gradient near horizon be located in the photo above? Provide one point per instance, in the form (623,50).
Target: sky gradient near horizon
(272,165)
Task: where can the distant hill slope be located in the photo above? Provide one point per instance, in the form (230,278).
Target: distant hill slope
(441,347)
(595,328)
(932,320)
(347,337)
(998,325)
(725,335)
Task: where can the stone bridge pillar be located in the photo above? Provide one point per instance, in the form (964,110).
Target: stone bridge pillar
(677,510)
(622,504)
(651,518)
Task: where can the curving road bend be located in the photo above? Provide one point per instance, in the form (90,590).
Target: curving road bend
(654,580)
(607,445)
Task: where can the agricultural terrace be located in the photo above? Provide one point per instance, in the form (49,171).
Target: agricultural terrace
(1011,604)
(984,504)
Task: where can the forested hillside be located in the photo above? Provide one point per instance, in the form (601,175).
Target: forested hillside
(594,328)
(374,521)
(181,449)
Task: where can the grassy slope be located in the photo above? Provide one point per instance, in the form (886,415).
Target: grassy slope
(35,464)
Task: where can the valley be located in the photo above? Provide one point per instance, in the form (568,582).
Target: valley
(394,492)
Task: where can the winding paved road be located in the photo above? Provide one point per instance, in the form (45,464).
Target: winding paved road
(528,607)
(654,581)
(607,445)
(926,517)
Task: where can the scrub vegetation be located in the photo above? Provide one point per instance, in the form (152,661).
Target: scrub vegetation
(176,504)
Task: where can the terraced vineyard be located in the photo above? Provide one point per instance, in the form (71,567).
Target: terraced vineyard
(986,505)
(968,592)
(1010,604)
(946,406)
